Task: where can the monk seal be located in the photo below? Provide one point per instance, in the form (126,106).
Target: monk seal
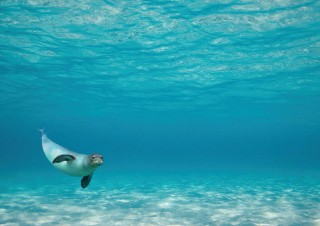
(70,162)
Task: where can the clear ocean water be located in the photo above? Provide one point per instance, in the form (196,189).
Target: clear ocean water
(206,112)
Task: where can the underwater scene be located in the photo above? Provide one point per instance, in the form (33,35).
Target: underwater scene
(169,112)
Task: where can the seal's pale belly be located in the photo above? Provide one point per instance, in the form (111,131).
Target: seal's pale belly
(77,167)
(74,168)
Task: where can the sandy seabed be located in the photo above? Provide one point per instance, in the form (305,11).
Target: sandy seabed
(163,200)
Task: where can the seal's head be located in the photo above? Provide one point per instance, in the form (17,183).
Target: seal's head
(96,160)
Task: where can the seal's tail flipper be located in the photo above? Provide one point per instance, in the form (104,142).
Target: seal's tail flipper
(42,131)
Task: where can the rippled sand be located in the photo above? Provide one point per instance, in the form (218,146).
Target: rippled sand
(163,199)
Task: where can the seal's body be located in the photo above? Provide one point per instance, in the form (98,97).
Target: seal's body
(70,162)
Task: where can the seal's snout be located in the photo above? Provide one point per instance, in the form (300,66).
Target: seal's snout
(97,160)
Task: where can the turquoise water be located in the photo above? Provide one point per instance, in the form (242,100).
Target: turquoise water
(206,113)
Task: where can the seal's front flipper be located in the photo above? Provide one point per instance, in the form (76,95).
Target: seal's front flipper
(86,181)
(62,158)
